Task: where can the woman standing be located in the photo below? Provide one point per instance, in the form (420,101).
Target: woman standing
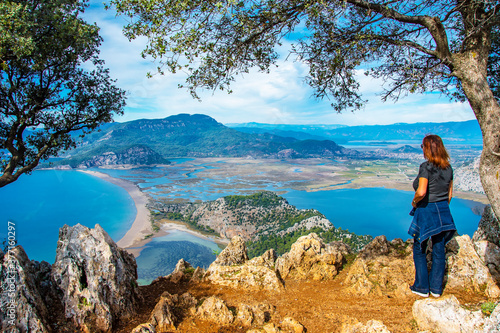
(432,220)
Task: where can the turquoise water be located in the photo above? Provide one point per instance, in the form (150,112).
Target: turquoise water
(377,211)
(40,203)
(43,202)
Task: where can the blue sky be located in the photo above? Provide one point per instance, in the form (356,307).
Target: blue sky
(281,97)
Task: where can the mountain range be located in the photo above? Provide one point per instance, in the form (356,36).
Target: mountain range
(154,141)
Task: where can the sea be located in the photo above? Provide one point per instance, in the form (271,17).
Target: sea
(38,205)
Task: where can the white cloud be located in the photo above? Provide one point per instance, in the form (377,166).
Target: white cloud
(278,97)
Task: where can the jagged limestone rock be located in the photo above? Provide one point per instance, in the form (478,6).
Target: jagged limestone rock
(445,315)
(244,316)
(98,279)
(215,309)
(489,227)
(267,259)
(292,325)
(162,317)
(490,255)
(309,258)
(381,267)
(144,328)
(352,325)
(197,275)
(179,272)
(466,269)
(234,254)
(22,306)
(233,269)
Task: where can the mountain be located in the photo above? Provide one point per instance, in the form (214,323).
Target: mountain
(196,135)
(450,131)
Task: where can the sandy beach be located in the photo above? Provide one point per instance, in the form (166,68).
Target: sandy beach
(135,238)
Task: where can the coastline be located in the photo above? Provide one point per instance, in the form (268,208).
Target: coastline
(141,227)
(135,238)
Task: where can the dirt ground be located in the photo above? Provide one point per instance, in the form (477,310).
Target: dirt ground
(321,306)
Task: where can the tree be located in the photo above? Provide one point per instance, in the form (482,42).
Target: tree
(45,91)
(415,46)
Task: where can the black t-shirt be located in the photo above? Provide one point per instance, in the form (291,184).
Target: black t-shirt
(439,181)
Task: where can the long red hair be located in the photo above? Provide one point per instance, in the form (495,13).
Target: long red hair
(435,152)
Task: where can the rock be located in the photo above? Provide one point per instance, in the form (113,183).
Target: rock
(179,272)
(144,328)
(292,325)
(466,269)
(445,315)
(244,276)
(271,328)
(233,269)
(489,227)
(215,309)
(340,247)
(262,313)
(309,258)
(490,255)
(137,155)
(198,275)
(382,267)
(22,306)
(244,316)
(267,259)
(352,325)
(97,278)
(162,317)
(234,254)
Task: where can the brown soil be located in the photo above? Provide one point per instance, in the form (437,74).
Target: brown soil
(321,306)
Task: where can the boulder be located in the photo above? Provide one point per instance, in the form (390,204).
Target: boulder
(382,267)
(97,278)
(352,325)
(292,325)
(179,272)
(162,317)
(22,305)
(310,258)
(490,255)
(466,269)
(489,227)
(215,310)
(234,254)
(254,315)
(445,315)
(233,269)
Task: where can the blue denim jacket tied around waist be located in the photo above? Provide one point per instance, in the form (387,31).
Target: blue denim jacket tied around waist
(431,219)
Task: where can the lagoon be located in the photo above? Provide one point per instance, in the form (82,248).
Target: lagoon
(43,202)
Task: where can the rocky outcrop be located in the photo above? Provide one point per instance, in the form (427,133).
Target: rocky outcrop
(488,228)
(487,242)
(445,315)
(308,224)
(382,267)
(352,325)
(233,269)
(137,155)
(234,254)
(310,258)
(97,278)
(465,268)
(215,310)
(22,305)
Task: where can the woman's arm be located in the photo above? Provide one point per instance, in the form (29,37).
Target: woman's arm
(421,191)
(450,192)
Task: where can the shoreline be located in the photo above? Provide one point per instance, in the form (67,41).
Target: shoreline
(135,239)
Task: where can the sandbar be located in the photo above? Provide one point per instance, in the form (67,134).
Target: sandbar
(141,227)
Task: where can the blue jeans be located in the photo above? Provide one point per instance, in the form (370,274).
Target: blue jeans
(426,281)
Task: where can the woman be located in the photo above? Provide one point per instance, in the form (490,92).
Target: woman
(432,220)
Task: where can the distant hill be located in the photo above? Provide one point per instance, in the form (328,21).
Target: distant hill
(196,135)
(449,131)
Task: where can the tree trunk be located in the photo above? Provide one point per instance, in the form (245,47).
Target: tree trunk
(472,72)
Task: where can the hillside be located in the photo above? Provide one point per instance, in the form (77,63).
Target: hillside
(314,287)
(264,220)
(196,135)
(466,131)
